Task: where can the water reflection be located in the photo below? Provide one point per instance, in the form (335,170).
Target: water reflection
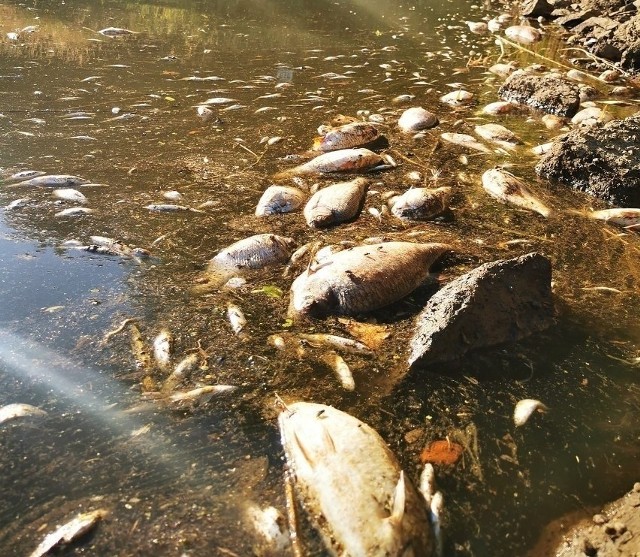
(135,98)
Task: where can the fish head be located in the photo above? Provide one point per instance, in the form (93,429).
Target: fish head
(310,299)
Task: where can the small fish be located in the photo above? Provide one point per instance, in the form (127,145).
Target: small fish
(505,187)
(115,32)
(341,369)
(416,119)
(627,217)
(337,342)
(186,366)
(503,70)
(17,203)
(420,203)
(69,532)
(220,100)
(201,395)
(70,194)
(237,319)
(465,140)
(523,34)
(401,99)
(457,98)
(279,199)
(170,208)
(162,346)
(310,247)
(499,135)
(500,107)
(336,203)
(19,410)
(53,180)
(74,212)
(351,135)
(172,195)
(343,160)
(525,408)
(24,175)
(478,27)
(140,350)
(542,148)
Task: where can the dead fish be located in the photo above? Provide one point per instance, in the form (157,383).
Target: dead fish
(363,278)
(17,203)
(341,369)
(53,180)
(627,217)
(19,410)
(187,365)
(465,140)
(500,107)
(170,208)
(417,118)
(523,34)
(591,116)
(69,532)
(346,137)
(279,199)
(200,395)
(339,343)
(499,135)
(70,194)
(457,98)
(505,187)
(525,408)
(172,195)
(74,212)
(119,248)
(351,485)
(401,99)
(24,175)
(274,538)
(336,203)
(420,203)
(237,319)
(115,32)
(343,160)
(220,100)
(503,70)
(162,346)
(139,349)
(310,247)
(478,27)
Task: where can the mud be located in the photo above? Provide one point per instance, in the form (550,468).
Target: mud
(601,161)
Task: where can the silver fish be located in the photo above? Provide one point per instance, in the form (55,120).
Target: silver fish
(351,485)
(416,119)
(170,208)
(24,175)
(465,140)
(69,532)
(420,203)
(339,343)
(363,278)
(336,203)
(70,194)
(627,217)
(53,180)
(74,212)
(16,203)
(115,32)
(19,410)
(237,319)
(279,199)
(343,160)
(505,187)
(162,346)
(186,366)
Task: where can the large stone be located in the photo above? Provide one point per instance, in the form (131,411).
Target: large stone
(499,302)
(536,8)
(549,93)
(602,161)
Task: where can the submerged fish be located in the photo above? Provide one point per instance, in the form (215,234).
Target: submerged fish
(69,532)
(363,278)
(343,160)
(19,410)
(417,118)
(187,365)
(237,319)
(200,395)
(115,32)
(74,212)
(336,203)
(627,217)
(420,203)
(279,199)
(341,369)
(70,194)
(498,134)
(24,175)
(53,180)
(351,485)
(505,187)
(457,98)
(350,135)
(465,140)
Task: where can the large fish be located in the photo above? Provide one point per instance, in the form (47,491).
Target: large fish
(420,203)
(350,135)
(254,252)
(363,278)
(279,199)
(343,160)
(53,180)
(505,187)
(351,485)
(499,135)
(336,203)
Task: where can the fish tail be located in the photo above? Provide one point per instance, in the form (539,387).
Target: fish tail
(212,279)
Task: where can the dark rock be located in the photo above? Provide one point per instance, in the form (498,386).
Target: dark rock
(593,24)
(536,8)
(572,19)
(502,301)
(601,161)
(606,50)
(549,93)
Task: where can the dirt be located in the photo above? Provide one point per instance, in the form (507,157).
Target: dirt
(614,531)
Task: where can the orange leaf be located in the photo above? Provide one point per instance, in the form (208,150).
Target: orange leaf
(441,452)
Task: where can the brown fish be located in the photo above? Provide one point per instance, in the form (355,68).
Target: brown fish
(420,203)
(363,278)
(350,135)
(343,160)
(279,199)
(499,135)
(336,203)
(505,187)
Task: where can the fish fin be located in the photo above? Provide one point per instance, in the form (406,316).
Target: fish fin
(328,440)
(305,453)
(317,143)
(399,500)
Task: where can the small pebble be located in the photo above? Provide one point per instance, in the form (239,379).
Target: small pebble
(599,519)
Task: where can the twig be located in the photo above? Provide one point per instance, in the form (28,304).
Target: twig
(247,149)
(296,546)
(119,329)
(499,40)
(407,159)
(599,60)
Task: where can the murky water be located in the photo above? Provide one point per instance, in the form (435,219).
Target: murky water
(121,112)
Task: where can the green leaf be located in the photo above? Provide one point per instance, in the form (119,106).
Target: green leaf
(269,290)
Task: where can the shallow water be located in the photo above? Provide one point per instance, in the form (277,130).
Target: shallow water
(178,481)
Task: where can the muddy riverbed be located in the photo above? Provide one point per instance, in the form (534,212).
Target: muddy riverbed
(121,112)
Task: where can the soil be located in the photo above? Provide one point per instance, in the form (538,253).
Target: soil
(615,530)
